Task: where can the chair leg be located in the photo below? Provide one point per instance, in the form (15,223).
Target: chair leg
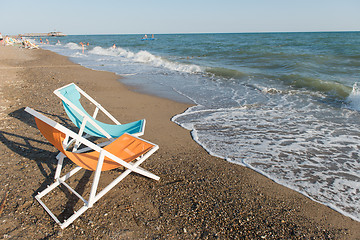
(61,157)
(52,187)
(88,204)
(112,184)
(96,179)
(73,217)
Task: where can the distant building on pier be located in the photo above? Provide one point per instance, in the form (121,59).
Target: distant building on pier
(50,34)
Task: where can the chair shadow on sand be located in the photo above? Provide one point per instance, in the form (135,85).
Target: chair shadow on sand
(25,146)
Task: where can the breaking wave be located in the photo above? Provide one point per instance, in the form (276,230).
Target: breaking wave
(147,58)
(353,100)
(314,84)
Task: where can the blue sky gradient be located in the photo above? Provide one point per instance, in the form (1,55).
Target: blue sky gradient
(182,16)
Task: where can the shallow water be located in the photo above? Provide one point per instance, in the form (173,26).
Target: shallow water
(283,104)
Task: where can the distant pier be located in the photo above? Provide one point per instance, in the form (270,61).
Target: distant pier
(50,34)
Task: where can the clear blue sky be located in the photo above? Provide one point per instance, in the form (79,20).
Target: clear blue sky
(181,16)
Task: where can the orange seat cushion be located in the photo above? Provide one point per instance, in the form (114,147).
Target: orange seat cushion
(126,147)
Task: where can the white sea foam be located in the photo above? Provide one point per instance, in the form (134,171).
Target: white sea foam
(77,55)
(313,156)
(354,97)
(147,58)
(73,46)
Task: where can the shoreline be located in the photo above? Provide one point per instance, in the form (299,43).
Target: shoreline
(199,196)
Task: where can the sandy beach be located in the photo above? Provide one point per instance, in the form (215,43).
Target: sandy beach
(198,196)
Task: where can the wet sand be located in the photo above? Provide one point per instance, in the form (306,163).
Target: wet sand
(198,196)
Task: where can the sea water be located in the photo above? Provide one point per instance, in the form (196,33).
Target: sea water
(284,104)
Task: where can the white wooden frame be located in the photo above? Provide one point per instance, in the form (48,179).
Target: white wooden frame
(94,196)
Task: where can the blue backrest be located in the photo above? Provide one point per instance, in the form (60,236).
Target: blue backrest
(115,131)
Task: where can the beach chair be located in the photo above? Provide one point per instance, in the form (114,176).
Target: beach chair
(70,96)
(126,151)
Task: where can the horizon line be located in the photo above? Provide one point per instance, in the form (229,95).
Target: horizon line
(324,31)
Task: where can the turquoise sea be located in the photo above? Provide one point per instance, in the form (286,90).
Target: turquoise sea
(284,104)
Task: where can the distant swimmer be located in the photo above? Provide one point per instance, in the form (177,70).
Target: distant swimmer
(114,46)
(83,46)
(145,36)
